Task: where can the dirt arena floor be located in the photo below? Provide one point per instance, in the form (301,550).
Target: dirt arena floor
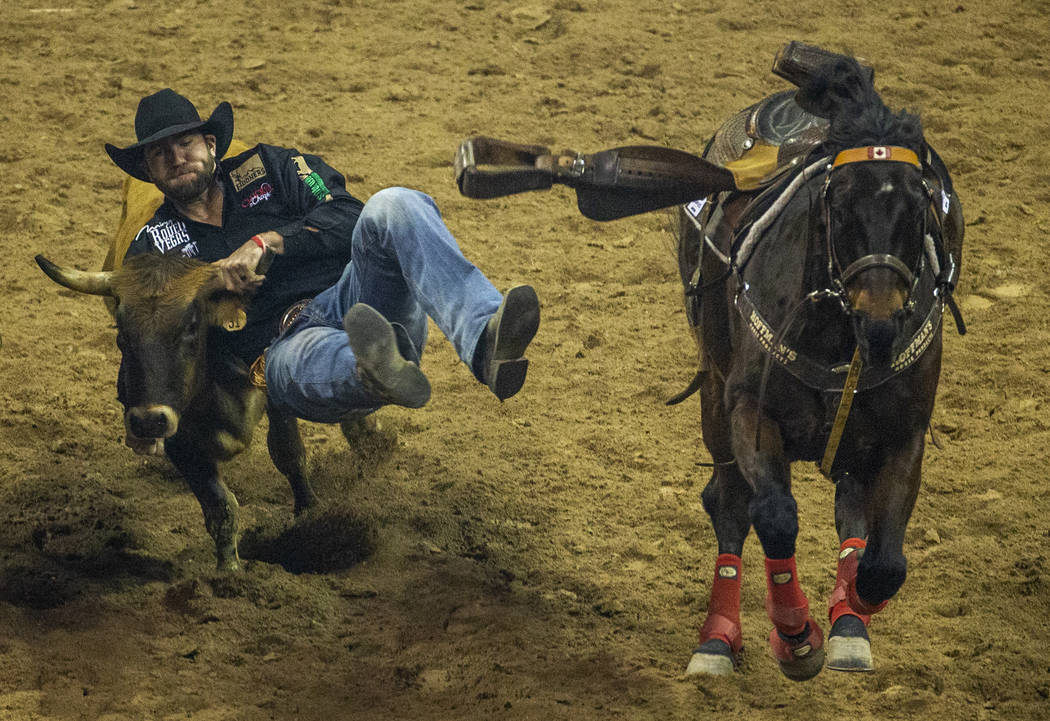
(545,558)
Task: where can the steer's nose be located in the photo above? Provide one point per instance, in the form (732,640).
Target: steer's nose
(152,421)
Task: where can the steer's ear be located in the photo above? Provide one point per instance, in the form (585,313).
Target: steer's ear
(226,310)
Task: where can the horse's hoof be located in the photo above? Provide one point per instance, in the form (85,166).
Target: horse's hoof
(706,664)
(805,667)
(801,657)
(848,647)
(713,658)
(849,653)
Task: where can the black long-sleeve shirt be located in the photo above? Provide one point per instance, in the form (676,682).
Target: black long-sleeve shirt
(267,188)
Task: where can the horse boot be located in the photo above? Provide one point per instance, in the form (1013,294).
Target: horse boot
(849,648)
(721,638)
(796,640)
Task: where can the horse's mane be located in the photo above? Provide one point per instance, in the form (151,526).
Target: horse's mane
(844,94)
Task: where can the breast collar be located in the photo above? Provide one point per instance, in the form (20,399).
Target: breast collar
(812,373)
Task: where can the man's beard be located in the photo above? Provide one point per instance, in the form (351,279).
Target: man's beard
(187,192)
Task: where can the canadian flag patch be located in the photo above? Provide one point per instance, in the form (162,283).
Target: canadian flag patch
(878,152)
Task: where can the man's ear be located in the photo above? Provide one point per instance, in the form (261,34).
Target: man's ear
(209,140)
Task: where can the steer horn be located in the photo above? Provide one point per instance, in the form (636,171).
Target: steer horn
(82,281)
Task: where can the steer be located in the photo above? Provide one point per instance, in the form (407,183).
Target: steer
(182,388)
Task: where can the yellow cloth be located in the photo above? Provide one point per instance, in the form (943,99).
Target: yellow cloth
(759,161)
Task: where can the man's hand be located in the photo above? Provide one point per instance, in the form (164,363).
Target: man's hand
(238,270)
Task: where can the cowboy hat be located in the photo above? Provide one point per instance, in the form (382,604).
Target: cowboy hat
(166,113)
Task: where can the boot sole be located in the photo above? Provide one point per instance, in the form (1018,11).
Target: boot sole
(380,366)
(517,326)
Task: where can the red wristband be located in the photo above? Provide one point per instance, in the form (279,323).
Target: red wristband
(257,239)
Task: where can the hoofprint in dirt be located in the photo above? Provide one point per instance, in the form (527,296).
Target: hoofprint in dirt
(545,557)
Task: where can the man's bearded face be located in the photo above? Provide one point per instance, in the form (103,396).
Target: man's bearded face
(182,166)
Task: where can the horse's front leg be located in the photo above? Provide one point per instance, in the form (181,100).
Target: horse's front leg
(871,516)
(848,647)
(725,498)
(882,568)
(796,640)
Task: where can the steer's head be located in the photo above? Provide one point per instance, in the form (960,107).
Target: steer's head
(165,307)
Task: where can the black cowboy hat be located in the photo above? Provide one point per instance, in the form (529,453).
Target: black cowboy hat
(166,113)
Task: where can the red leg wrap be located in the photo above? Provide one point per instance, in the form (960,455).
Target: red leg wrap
(723,611)
(786,605)
(859,605)
(839,604)
(793,651)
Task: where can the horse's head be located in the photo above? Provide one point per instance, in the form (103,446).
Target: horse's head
(875,204)
(876,209)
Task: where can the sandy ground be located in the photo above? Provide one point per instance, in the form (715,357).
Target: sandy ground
(545,558)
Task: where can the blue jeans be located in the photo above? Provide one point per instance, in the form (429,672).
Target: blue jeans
(407,266)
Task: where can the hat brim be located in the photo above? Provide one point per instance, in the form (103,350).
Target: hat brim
(219,124)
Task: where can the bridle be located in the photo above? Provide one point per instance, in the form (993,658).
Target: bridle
(841,277)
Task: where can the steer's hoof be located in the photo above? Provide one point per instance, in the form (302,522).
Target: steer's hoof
(848,648)
(800,657)
(227,559)
(713,658)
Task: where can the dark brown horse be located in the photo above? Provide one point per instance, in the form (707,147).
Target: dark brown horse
(816,271)
(818,298)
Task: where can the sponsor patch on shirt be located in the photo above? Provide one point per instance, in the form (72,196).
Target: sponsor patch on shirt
(263,192)
(247,172)
(311,179)
(168,235)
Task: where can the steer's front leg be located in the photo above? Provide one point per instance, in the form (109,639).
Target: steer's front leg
(217,502)
(289,456)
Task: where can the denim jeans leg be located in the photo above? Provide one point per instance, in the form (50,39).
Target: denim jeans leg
(406,265)
(408,261)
